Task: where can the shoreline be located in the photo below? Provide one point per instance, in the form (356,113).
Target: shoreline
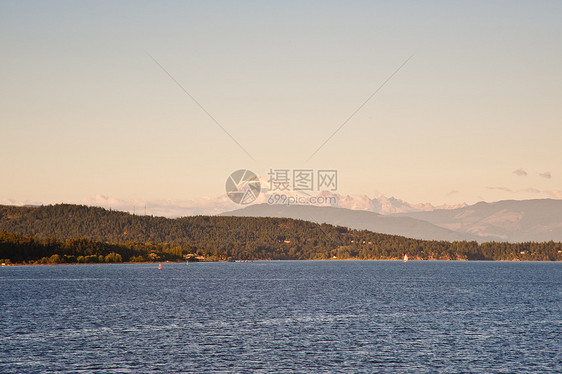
(291,260)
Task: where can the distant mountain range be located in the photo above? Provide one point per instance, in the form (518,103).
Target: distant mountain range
(220,204)
(357,219)
(510,220)
(386,205)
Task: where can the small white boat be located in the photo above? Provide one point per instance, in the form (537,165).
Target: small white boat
(405,258)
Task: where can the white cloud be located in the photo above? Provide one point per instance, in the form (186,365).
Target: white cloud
(221,204)
(520,172)
(500,188)
(557,194)
(18,202)
(166,208)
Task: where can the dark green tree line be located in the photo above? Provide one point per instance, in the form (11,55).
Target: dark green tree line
(83,234)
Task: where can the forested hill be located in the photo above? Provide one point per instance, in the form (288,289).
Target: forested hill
(49,230)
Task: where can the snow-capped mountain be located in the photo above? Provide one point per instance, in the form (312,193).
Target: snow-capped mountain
(387,205)
(216,205)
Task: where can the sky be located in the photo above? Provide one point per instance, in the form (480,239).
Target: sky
(138,101)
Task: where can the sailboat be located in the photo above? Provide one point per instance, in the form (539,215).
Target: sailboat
(405,258)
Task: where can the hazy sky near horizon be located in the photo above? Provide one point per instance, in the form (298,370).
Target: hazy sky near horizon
(474,115)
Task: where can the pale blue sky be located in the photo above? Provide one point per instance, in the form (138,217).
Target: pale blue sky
(85,111)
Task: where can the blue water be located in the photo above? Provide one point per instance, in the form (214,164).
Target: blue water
(315,317)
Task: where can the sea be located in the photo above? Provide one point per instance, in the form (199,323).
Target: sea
(283,317)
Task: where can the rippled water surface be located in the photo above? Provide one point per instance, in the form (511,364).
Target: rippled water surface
(315,317)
